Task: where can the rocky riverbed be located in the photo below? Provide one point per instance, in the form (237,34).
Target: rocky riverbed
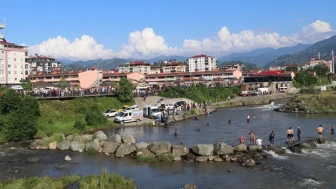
(245,155)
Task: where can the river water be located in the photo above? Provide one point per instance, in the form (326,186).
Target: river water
(312,169)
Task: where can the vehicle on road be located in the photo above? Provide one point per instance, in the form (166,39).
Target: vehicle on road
(167,106)
(129,116)
(110,113)
(180,103)
(134,107)
(151,111)
(123,108)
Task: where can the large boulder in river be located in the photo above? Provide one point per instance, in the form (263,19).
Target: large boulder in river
(190,186)
(77,146)
(222,149)
(93,146)
(116,138)
(125,149)
(100,136)
(83,138)
(128,139)
(320,141)
(254,148)
(240,148)
(64,145)
(249,163)
(141,145)
(202,158)
(160,147)
(53,145)
(203,149)
(180,150)
(33,160)
(110,147)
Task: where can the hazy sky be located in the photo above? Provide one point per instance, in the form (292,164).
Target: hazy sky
(82,29)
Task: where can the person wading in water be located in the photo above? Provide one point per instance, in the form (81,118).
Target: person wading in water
(271,138)
(320,131)
(252,138)
(248,119)
(299,133)
(331,130)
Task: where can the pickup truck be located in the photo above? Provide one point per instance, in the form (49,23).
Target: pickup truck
(129,116)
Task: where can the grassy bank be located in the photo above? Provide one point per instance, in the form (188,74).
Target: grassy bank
(60,116)
(318,102)
(200,93)
(104,180)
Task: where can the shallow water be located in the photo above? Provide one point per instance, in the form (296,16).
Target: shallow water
(312,169)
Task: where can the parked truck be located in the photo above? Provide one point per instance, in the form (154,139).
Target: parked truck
(129,116)
(151,111)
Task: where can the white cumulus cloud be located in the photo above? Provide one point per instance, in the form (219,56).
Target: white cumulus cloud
(146,43)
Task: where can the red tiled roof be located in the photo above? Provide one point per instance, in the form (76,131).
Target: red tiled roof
(173,64)
(190,73)
(201,56)
(139,63)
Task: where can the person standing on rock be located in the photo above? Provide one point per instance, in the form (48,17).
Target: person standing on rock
(320,131)
(241,139)
(252,138)
(299,133)
(271,138)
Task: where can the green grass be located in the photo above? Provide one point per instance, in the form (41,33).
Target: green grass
(55,137)
(146,158)
(104,180)
(60,116)
(165,157)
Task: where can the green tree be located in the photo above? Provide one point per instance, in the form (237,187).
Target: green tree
(63,83)
(31,105)
(94,117)
(321,70)
(26,84)
(21,126)
(305,79)
(9,101)
(125,91)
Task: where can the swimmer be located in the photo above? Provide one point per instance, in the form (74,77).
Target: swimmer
(254,117)
(198,129)
(229,121)
(208,124)
(175,133)
(248,119)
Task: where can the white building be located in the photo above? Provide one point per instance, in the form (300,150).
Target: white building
(231,67)
(137,66)
(12,61)
(202,63)
(314,62)
(42,64)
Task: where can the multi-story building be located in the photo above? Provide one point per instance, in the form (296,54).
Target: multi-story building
(314,62)
(231,67)
(202,63)
(12,61)
(137,66)
(174,67)
(42,64)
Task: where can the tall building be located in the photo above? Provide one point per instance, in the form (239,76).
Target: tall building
(42,64)
(137,66)
(202,63)
(12,61)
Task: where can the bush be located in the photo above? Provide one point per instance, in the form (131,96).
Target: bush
(10,100)
(80,125)
(94,118)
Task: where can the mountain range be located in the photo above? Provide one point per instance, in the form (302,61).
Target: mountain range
(266,57)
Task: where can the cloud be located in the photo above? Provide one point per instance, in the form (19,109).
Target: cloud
(147,44)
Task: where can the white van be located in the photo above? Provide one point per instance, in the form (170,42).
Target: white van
(151,111)
(129,116)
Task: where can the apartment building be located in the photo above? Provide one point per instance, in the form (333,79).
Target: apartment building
(202,63)
(137,66)
(174,67)
(314,62)
(12,61)
(42,64)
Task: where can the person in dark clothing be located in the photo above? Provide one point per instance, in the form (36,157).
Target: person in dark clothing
(331,130)
(271,138)
(299,133)
(175,133)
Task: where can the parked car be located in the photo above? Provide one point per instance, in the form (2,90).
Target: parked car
(123,108)
(111,113)
(134,107)
(168,106)
(180,103)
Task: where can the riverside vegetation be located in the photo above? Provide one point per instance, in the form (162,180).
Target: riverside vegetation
(200,93)
(24,118)
(104,180)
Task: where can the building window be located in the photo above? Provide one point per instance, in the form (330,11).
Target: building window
(9,72)
(9,65)
(15,79)
(14,59)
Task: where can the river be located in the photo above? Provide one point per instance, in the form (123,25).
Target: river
(312,169)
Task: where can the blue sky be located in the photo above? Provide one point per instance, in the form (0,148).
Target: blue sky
(111,22)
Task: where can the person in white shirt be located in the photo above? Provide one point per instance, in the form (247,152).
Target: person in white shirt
(259,141)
